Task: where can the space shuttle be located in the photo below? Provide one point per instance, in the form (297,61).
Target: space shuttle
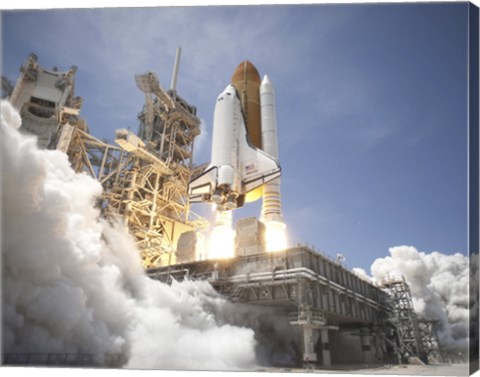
(237,166)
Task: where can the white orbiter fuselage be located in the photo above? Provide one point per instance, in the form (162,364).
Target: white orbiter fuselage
(236,166)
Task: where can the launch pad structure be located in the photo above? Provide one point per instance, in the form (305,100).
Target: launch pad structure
(337,317)
(332,316)
(318,297)
(144,177)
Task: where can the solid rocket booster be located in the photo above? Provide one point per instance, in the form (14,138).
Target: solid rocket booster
(269,119)
(271,205)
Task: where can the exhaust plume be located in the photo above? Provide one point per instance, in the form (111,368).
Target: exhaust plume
(74,283)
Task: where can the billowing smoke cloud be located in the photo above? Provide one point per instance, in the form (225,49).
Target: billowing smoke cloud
(73,283)
(439,287)
(361,273)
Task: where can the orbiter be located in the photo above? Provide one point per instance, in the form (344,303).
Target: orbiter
(238,166)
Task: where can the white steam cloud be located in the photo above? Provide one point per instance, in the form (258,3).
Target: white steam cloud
(74,283)
(439,287)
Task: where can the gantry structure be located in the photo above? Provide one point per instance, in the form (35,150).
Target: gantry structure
(414,336)
(144,176)
(46,102)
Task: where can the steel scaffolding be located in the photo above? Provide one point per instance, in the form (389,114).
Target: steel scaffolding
(404,320)
(144,177)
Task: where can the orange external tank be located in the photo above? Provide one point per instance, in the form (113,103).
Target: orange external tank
(247,82)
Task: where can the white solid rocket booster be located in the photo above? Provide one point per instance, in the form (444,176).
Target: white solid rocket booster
(271,205)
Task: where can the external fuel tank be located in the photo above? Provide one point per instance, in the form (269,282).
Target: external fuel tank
(246,80)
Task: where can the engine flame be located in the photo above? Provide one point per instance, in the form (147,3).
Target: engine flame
(275,236)
(221,245)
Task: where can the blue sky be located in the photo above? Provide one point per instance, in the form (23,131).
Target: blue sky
(371,103)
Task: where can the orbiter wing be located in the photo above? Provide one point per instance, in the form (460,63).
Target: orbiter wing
(205,183)
(256,166)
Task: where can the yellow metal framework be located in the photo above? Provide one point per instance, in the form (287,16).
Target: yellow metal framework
(144,178)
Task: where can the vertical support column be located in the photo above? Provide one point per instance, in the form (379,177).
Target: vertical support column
(326,360)
(377,353)
(309,355)
(366,346)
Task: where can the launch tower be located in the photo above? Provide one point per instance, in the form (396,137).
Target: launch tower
(144,176)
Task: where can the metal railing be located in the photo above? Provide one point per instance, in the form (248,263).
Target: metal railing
(307,317)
